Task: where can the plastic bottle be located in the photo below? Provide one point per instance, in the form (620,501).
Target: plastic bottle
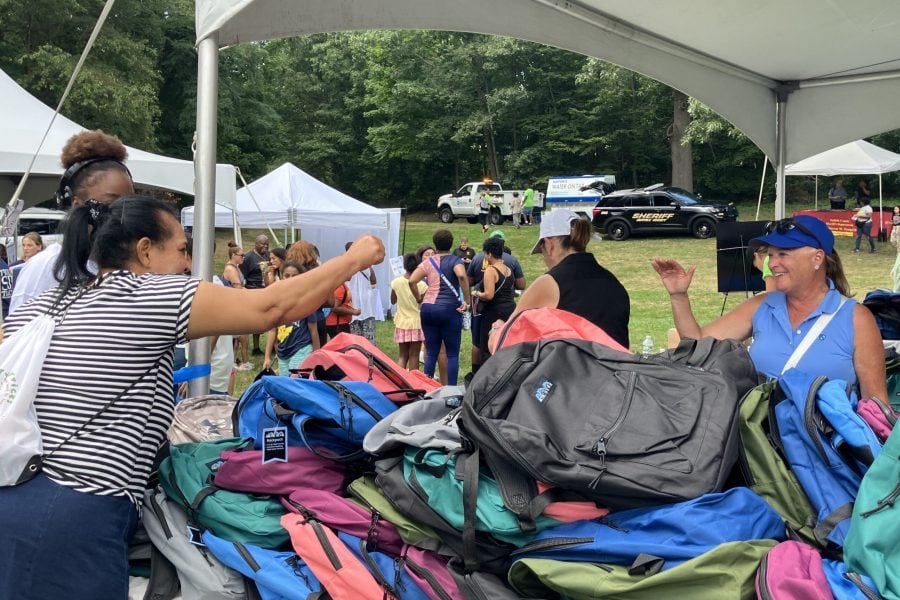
(647,347)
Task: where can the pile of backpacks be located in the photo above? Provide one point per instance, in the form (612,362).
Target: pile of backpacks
(568,468)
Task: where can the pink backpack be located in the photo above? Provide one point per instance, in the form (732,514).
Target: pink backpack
(333,564)
(880,417)
(792,570)
(243,471)
(429,571)
(551,324)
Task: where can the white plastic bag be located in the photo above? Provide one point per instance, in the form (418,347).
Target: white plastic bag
(21,359)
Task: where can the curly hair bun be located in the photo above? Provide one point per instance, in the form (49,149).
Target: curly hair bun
(92,144)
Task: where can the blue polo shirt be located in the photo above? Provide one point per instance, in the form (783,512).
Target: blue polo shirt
(774,340)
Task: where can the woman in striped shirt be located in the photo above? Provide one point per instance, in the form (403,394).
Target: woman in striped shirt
(105,398)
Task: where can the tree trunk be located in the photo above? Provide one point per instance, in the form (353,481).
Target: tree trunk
(682,158)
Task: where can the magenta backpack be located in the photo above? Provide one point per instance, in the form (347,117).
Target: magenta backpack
(877,415)
(342,514)
(243,471)
(429,571)
(792,570)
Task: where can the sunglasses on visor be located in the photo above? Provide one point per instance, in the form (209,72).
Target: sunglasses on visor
(787,225)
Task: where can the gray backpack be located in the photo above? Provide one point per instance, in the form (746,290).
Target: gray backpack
(201,574)
(202,418)
(624,431)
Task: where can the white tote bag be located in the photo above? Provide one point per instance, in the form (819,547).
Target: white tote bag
(21,359)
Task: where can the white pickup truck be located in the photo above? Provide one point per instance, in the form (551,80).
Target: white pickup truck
(464,203)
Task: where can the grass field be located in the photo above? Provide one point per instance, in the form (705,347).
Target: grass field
(630,262)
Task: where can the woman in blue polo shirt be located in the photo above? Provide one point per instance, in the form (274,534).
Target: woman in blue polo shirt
(809,281)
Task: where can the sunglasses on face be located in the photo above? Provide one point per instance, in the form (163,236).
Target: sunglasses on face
(787,225)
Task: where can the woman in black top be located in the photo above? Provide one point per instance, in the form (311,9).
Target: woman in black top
(575,281)
(497,297)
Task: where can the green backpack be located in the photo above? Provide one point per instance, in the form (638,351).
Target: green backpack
(763,467)
(727,571)
(365,492)
(434,475)
(186,477)
(872,545)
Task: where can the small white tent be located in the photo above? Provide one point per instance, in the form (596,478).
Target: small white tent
(856,158)
(289,198)
(23,121)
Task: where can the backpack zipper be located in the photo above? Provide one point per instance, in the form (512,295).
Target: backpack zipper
(156,509)
(351,398)
(887,501)
(551,544)
(374,361)
(868,592)
(489,396)
(326,545)
(809,409)
(245,554)
(599,448)
(425,574)
(389,590)
(761,579)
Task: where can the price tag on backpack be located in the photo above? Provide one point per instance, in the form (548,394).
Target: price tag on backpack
(274,444)
(195,536)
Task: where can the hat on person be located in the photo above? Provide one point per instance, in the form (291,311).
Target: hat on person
(498,233)
(555,223)
(796,232)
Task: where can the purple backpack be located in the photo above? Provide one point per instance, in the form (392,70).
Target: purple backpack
(429,571)
(878,416)
(243,471)
(342,514)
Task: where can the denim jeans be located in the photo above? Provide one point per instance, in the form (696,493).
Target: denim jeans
(864,230)
(59,543)
(442,323)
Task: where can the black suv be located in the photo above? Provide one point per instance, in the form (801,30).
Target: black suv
(659,208)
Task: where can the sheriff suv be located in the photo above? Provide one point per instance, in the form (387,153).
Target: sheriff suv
(658,208)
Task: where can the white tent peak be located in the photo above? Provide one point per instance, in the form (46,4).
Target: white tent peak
(23,120)
(304,200)
(856,158)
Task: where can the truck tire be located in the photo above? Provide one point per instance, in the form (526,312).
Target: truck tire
(445,215)
(703,228)
(617,230)
(496,217)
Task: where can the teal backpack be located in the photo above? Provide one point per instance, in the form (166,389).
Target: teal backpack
(872,545)
(186,476)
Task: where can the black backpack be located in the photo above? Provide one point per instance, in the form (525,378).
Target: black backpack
(614,427)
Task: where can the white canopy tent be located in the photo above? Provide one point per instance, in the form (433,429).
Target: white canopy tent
(23,120)
(856,158)
(288,198)
(793,76)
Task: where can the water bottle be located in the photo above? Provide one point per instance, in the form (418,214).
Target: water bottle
(647,347)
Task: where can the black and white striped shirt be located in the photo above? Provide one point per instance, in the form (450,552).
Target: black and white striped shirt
(117,338)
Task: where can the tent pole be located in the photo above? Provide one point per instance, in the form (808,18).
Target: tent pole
(880,208)
(817,192)
(781,97)
(205,185)
(762,182)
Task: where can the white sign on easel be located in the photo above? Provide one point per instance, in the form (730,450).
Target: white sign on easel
(397,269)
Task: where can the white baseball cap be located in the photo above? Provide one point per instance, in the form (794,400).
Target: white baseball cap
(555,223)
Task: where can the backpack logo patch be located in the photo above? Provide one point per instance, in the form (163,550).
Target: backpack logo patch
(544,389)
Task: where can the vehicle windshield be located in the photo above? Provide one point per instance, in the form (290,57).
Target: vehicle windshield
(684,196)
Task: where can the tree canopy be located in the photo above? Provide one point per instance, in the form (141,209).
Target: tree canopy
(391,117)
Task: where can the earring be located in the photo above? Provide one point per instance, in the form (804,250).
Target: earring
(817,267)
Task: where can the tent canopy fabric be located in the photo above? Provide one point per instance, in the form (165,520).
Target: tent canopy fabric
(836,63)
(288,197)
(856,158)
(23,121)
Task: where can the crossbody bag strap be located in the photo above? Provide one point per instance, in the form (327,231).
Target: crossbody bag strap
(445,280)
(811,335)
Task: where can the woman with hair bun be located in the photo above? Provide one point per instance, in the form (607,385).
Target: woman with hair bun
(104,397)
(576,282)
(94,164)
